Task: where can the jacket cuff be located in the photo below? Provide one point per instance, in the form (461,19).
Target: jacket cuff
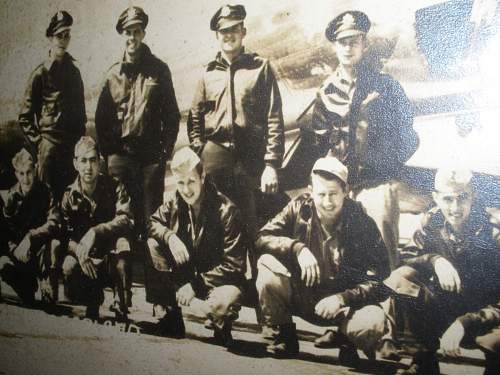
(273,163)
(297,247)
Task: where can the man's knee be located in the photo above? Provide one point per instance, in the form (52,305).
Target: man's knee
(122,264)
(366,327)
(157,257)
(69,266)
(223,299)
(269,281)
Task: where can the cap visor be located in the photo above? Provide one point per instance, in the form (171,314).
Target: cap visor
(126,25)
(61,29)
(226,24)
(348,33)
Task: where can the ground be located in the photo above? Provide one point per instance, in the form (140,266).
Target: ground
(34,342)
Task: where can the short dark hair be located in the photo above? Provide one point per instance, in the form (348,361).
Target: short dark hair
(329,177)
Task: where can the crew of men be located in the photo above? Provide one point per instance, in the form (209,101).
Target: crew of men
(330,256)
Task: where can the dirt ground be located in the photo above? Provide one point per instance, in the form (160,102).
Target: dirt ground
(33,342)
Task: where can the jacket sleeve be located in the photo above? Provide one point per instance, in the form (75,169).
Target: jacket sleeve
(52,226)
(417,253)
(80,115)
(159,223)
(196,117)
(31,108)
(105,120)
(275,141)
(369,289)
(482,321)
(123,222)
(276,237)
(170,114)
(233,265)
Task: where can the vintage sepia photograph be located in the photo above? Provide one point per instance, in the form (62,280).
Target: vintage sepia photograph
(254,187)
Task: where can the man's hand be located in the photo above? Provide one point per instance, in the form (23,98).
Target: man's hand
(4,261)
(185,295)
(309,267)
(451,339)
(89,268)
(85,245)
(328,307)
(178,250)
(447,275)
(269,180)
(22,251)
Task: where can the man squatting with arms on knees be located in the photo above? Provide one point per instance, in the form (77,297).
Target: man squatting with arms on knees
(236,121)
(450,277)
(98,222)
(363,117)
(52,114)
(323,258)
(30,221)
(199,249)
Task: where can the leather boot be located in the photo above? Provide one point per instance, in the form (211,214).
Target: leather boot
(285,343)
(424,363)
(171,324)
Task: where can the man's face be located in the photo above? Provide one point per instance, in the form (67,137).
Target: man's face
(231,39)
(189,185)
(133,36)
(25,175)
(455,203)
(350,50)
(87,165)
(328,197)
(59,43)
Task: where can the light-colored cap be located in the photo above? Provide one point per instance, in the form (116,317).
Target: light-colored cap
(331,165)
(184,161)
(22,158)
(452,179)
(84,145)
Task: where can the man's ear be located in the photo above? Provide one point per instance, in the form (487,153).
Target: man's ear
(74,163)
(435,196)
(244,31)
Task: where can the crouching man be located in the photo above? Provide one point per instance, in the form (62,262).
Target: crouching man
(322,259)
(98,219)
(29,221)
(198,250)
(450,277)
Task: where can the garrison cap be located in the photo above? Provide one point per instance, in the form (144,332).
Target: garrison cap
(84,145)
(132,16)
(184,161)
(23,157)
(333,166)
(227,16)
(347,24)
(452,179)
(61,21)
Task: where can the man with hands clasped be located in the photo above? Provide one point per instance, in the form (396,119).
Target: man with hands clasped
(450,277)
(322,258)
(198,249)
(97,216)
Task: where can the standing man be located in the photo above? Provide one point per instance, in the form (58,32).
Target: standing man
(99,224)
(323,259)
(363,118)
(236,122)
(52,114)
(137,118)
(198,250)
(30,221)
(450,277)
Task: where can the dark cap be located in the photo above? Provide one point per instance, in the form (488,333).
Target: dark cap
(227,16)
(131,16)
(61,21)
(347,24)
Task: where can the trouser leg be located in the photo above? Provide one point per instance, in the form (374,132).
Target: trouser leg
(153,186)
(55,166)
(121,278)
(222,305)
(490,345)
(20,276)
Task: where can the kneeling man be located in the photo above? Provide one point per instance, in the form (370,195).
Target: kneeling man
(98,219)
(29,222)
(323,258)
(450,277)
(198,249)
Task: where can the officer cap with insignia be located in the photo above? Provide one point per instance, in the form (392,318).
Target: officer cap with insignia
(347,24)
(227,16)
(61,21)
(132,16)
